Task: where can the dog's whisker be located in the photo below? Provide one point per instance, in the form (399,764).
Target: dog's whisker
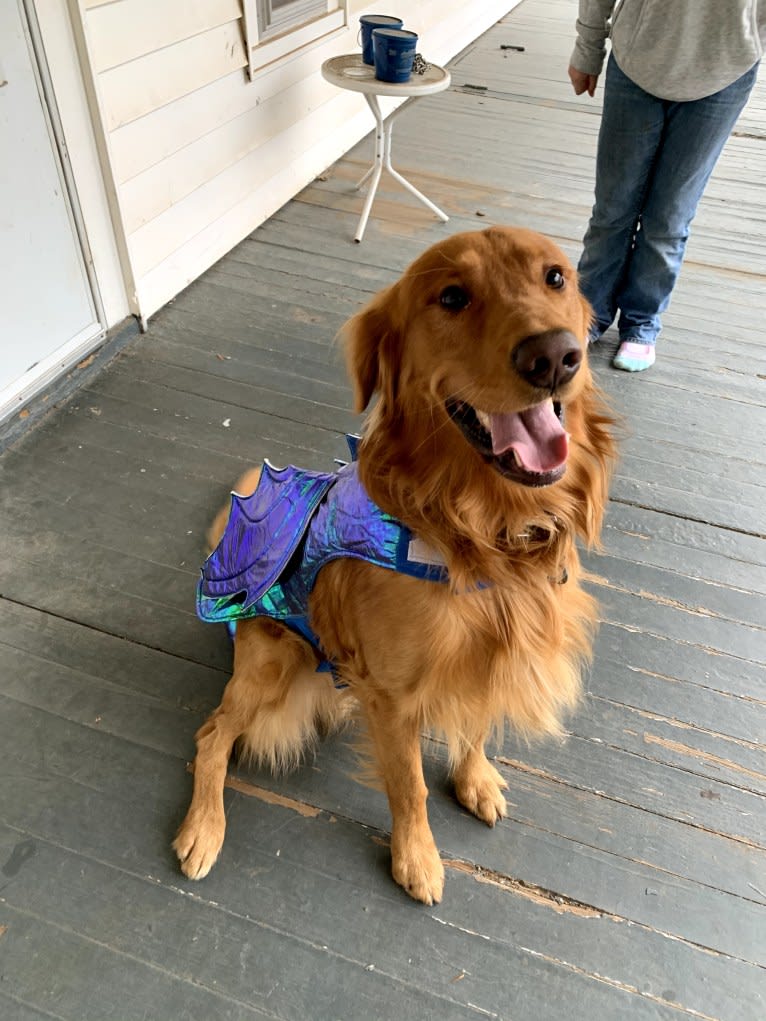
(427,438)
(430,410)
(432,272)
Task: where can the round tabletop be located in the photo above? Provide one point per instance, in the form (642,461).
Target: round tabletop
(348,71)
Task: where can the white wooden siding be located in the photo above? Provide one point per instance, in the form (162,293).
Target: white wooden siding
(143,85)
(119,32)
(258,204)
(157,239)
(151,193)
(198,155)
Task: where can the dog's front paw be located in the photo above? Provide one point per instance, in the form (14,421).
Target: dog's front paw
(480,790)
(199,843)
(416,866)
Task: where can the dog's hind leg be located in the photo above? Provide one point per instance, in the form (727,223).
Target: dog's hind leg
(478,785)
(415,862)
(271,706)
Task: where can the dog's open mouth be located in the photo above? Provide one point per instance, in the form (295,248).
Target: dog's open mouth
(527,446)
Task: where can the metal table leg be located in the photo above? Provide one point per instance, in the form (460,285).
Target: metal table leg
(383,131)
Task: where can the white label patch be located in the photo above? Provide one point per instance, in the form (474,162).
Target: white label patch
(419,552)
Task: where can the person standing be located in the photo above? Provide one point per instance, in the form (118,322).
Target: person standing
(678,76)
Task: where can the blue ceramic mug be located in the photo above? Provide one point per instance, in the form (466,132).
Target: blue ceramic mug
(370,22)
(394,50)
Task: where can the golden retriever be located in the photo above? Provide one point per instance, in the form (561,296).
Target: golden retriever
(490,442)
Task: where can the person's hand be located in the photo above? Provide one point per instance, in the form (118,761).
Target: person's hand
(582,82)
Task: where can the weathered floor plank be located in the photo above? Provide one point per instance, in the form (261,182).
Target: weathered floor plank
(260,843)
(629,879)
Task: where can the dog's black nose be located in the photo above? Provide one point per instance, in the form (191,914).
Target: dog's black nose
(548,360)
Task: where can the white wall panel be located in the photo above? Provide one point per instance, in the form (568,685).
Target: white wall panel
(164,281)
(152,193)
(154,137)
(147,83)
(128,29)
(280,156)
(199,155)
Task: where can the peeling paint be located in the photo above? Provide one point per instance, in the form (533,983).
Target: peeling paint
(558,902)
(524,768)
(701,756)
(461,928)
(481,1010)
(617,984)
(682,725)
(265,795)
(675,604)
(309,811)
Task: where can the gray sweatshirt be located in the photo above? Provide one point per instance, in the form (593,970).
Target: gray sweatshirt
(674,49)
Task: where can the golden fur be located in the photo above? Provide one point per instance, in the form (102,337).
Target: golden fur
(506,639)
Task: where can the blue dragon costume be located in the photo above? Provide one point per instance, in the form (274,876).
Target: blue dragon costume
(279,538)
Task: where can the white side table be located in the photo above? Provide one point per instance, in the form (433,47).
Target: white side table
(349,71)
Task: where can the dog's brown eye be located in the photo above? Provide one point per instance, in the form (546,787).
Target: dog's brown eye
(454,298)
(555,278)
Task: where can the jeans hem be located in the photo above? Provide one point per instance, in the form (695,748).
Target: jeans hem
(628,339)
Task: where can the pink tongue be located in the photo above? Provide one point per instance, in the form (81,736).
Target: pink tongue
(535,435)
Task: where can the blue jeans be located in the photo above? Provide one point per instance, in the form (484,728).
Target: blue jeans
(654,160)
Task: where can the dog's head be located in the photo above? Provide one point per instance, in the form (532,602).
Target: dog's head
(479,357)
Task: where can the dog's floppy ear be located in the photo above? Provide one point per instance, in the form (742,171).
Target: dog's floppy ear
(370,339)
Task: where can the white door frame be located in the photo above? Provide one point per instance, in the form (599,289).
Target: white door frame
(65,109)
(56,132)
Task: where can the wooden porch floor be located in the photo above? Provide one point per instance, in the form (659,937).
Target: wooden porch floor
(630,877)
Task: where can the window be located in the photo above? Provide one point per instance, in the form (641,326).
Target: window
(276,28)
(276,16)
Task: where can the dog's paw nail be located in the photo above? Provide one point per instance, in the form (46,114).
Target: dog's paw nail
(195,868)
(198,847)
(483,799)
(421,875)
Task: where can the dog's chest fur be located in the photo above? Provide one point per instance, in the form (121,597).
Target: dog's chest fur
(465,660)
